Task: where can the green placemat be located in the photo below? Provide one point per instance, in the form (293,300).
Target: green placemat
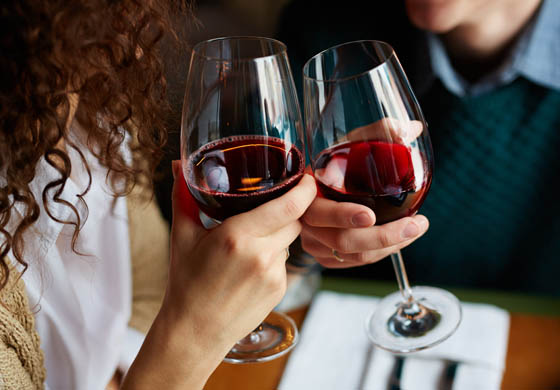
(512,302)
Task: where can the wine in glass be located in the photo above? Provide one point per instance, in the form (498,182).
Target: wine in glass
(241,146)
(369,144)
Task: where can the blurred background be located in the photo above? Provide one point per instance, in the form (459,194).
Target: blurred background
(533,347)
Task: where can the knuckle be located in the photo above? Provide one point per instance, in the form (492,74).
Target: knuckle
(231,243)
(341,242)
(274,281)
(279,286)
(363,257)
(384,239)
(278,282)
(259,266)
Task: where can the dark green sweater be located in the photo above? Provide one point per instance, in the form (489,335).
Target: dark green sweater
(494,219)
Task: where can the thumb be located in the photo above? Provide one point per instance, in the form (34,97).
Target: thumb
(186,221)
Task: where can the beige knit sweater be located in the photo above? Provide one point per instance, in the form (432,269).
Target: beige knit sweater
(21,358)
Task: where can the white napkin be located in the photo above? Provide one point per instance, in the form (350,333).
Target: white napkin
(335,353)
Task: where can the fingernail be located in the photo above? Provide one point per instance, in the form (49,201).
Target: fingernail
(411,230)
(422,222)
(361,219)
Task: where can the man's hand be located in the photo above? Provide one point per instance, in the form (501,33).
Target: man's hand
(342,235)
(349,229)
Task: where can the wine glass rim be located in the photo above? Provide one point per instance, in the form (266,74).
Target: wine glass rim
(336,80)
(196,48)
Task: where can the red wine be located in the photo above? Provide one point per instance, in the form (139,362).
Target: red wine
(379,175)
(237,174)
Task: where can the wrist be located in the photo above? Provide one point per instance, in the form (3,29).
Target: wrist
(198,325)
(192,332)
(175,355)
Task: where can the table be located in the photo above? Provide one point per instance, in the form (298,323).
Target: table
(533,358)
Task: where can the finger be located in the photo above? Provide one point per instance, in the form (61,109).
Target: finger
(372,238)
(185,221)
(282,238)
(368,257)
(274,215)
(320,251)
(330,262)
(400,131)
(329,213)
(313,246)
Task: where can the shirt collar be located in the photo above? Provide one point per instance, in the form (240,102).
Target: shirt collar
(539,57)
(535,55)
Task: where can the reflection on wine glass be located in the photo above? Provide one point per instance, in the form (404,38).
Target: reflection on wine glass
(241,143)
(369,144)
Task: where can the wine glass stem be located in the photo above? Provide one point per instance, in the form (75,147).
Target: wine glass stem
(402,279)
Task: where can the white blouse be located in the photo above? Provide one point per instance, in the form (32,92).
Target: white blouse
(81,302)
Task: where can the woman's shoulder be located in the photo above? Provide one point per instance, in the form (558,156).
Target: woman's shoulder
(21,358)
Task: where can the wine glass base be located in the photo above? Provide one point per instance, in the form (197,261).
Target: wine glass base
(446,308)
(276,336)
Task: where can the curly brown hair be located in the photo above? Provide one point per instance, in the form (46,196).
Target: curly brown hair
(105,52)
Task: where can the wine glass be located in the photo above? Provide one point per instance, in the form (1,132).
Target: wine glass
(241,146)
(369,144)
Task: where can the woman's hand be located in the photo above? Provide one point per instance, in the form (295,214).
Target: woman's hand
(348,228)
(222,284)
(232,276)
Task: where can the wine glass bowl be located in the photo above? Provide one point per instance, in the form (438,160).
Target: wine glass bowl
(399,184)
(242,134)
(241,146)
(369,144)
(239,173)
